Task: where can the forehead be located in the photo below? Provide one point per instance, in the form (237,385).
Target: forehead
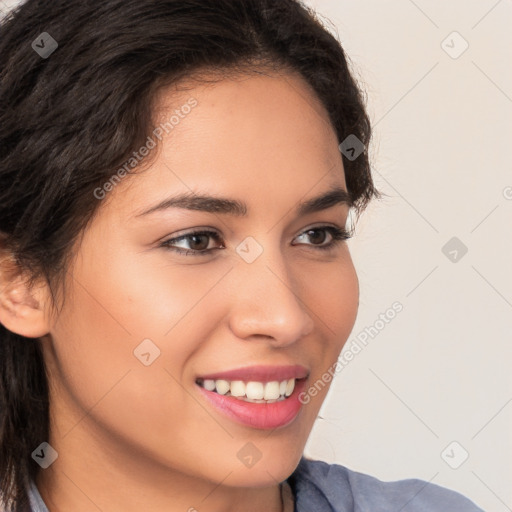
(263,135)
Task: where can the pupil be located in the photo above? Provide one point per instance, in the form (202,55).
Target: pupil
(320,238)
(195,238)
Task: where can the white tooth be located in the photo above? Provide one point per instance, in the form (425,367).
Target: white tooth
(290,387)
(282,387)
(209,384)
(237,388)
(222,386)
(254,401)
(271,390)
(254,390)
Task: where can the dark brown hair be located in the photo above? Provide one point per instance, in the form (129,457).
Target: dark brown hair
(69,119)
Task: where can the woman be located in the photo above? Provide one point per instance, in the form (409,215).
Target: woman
(176,179)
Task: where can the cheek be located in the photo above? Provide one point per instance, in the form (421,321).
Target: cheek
(150,297)
(123,300)
(101,385)
(333,298)
(111,307)
(334,301)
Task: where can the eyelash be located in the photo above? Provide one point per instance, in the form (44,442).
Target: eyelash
(338,236)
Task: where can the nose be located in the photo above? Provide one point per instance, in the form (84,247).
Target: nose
(267,302)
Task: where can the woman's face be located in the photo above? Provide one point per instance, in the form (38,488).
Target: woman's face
(260,291)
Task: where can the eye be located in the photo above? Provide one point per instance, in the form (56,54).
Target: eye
(336,234)
(197,242)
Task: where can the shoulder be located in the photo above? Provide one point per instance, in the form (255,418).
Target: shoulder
(336,488)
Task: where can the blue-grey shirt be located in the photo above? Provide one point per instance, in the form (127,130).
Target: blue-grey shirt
(321,487)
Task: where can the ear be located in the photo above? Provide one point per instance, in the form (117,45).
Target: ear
(22,309)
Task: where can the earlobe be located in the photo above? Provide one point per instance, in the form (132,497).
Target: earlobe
(22,309)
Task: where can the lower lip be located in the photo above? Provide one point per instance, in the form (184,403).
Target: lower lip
(262,416)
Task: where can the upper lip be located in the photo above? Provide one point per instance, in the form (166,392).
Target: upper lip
(260,373)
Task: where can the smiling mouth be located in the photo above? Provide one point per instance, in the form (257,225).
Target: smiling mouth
(251,391)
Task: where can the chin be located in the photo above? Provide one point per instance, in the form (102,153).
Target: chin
(267,471)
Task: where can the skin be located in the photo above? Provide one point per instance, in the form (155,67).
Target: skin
(132,437)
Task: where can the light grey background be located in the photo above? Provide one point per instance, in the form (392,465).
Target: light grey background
(440,371)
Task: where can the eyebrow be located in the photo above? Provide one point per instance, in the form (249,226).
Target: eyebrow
(210,204)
